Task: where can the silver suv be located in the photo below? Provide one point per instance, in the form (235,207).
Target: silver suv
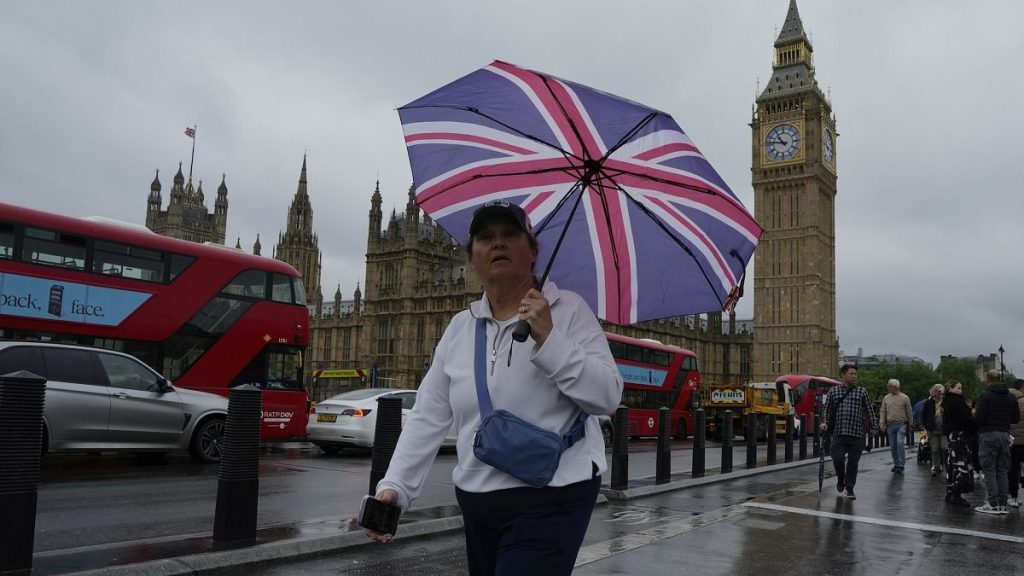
(100,400)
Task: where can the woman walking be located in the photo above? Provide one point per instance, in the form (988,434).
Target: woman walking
(958,425)
(563,369)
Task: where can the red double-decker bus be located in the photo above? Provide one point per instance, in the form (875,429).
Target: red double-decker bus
(656,375)
(808,393)
(205,316)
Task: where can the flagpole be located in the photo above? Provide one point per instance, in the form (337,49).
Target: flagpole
(193,159)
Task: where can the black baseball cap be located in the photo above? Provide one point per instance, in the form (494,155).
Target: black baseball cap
(502,208)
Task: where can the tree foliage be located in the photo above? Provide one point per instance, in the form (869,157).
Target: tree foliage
(915,379)
(962,369)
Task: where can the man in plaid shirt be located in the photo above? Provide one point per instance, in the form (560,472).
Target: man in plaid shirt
(848,416)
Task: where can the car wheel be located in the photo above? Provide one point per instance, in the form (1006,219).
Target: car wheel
(606,433)
(329,450)
(207,440)
(44,444)
(681,430)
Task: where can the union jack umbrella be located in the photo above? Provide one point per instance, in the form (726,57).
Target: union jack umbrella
(642,226)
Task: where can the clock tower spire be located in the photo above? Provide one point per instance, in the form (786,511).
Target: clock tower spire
(794,179)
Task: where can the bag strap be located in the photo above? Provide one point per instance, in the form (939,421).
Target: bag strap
(576,431)
(483,397)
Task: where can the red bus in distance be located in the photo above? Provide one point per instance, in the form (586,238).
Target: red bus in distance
(808,393)
(207,317)
(656,375)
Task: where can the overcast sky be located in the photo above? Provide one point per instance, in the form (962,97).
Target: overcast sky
(96,95)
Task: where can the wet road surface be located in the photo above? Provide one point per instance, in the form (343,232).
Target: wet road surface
(769,524)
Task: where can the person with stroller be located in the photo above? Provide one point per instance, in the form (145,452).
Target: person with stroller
(957,424)
(932,420)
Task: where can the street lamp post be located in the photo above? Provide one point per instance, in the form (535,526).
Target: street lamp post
(1002,367)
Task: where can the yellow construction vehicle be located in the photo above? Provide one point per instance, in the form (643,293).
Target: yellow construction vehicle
(766,399)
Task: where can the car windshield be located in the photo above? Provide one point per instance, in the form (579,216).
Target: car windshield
(360,394)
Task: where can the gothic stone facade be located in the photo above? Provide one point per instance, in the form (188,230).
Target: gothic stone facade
(187,216)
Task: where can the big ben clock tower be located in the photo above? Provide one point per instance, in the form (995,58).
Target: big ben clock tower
(794,179)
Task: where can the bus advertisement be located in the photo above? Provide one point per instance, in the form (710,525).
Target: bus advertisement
(808,393)
(656,375)
(205,316)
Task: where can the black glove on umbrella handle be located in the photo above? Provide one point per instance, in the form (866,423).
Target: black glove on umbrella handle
(521,332)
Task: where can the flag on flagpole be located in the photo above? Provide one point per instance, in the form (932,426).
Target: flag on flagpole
(190,132)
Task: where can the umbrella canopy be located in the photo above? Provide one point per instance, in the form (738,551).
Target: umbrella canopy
(641,225)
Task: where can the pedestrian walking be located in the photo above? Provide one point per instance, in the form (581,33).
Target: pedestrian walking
(1017,450)
(894,419)
(848,417)
(997,411)
(932,420)
(957,423)
(560,374)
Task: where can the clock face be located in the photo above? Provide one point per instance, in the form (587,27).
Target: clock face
(828,144)
(783,142)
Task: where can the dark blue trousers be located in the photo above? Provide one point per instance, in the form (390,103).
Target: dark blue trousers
(527,530)
(846,451)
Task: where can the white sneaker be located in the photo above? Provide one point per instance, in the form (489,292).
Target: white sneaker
(987,508)
(1013,503)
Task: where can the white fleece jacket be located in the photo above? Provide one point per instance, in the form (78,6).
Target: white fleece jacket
(544,385)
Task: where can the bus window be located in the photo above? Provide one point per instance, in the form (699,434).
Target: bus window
(250,284)
(178,265)
(278,368)
(281,290)
(6,240)
(634,353)
(115,259)
(618,349)
(299,290)
(53,249)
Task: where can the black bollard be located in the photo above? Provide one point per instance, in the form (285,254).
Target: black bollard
(751,438)
(788,442)
(620,449)
(238,487)
(22,398)
(663,464)
(772,453)
(385,438)
(805,425)
(726,441)
(816,450)
(699,431)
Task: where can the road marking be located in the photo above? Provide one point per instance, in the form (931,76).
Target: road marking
(880,522)
(608,548)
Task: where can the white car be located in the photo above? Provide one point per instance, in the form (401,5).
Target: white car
(349,419)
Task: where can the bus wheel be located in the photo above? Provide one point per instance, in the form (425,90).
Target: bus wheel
(681,430)
(606,433)
(207,441)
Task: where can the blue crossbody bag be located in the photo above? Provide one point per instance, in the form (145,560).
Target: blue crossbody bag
(511,444)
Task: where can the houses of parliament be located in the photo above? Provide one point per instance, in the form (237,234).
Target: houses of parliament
(417,277)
